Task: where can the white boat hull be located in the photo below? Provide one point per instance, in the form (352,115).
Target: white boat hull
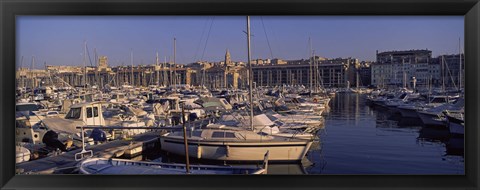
(238,151)
(408,112)
(430,119)
(456,128)
(121,166)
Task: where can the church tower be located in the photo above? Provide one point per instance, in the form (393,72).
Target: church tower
(228,60)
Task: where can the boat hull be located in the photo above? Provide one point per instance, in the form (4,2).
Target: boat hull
(456,126)
(408,112)
(289,151)
(121,166)
(430,119)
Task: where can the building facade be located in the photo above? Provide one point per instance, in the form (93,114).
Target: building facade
(401,68)
(397,68)
(326,72)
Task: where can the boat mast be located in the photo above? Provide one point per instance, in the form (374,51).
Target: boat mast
(187,161)
(85,66)
(132,82)
(32,76)
(174,63)
(404,75)
(21,77)
(314,73)
(460,65)
(310,67)
(165,72)
(443,74)
(250,74)
(97,80)
(157,69)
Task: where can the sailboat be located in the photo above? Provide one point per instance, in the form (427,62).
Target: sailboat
(224,143)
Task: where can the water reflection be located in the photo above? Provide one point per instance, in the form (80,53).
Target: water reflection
(375,140)
(454,146)
(387,120)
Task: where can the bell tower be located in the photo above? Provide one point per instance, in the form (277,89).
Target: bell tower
(228,60)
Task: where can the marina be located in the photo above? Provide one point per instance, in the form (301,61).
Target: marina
(347,142)
(403,114)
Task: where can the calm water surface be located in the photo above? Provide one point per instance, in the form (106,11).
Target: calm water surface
(359,139)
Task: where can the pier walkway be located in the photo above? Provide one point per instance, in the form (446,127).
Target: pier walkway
(66,161)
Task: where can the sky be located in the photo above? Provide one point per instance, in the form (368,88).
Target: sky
(60,40)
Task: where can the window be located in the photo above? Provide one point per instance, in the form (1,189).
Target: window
(74,113)
(95,111)
(223,135)
(89,112)
(27,107)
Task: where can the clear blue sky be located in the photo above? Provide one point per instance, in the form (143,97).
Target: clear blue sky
(58,40)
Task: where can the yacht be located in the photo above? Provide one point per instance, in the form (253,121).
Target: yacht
(222,143)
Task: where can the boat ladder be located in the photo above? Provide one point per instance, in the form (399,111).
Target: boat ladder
(84,153)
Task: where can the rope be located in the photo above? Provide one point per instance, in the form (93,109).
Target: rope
(266,36)
(208,37)
(201,38)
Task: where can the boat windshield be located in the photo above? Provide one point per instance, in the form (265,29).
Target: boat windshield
(74,113)
(223,135)
(439,100)
(27,107)
(282,108)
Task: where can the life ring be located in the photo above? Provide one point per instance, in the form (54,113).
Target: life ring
(315,100)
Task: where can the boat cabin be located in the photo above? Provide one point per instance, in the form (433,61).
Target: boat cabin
(87,97)
(118,97)
(90,113)
(441,99)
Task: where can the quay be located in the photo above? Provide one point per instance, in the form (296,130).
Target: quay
(65,162)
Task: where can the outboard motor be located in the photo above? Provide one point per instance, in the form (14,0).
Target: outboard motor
(51,140)
(98,135)
(192,116)
(175,120)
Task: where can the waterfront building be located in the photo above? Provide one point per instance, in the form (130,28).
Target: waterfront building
(339,72)
(226,74)
(365,73)
(400,68)
(452,71)
(397,68)
(141,75)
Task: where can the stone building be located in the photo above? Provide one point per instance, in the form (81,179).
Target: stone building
(337,72)
(397,68)
(224,75)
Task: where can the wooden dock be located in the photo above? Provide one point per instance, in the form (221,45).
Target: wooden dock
(65,162)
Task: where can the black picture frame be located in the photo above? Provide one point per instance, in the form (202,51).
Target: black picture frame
(9,9)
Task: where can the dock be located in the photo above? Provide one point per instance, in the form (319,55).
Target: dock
(65,162)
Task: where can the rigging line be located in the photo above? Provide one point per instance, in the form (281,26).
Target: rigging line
(266,36)
(208,36)
(88,53)
(201,38)
(451,76)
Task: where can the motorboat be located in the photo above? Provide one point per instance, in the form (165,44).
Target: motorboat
(123,166)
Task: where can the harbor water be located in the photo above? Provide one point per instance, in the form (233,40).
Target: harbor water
(360,139)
